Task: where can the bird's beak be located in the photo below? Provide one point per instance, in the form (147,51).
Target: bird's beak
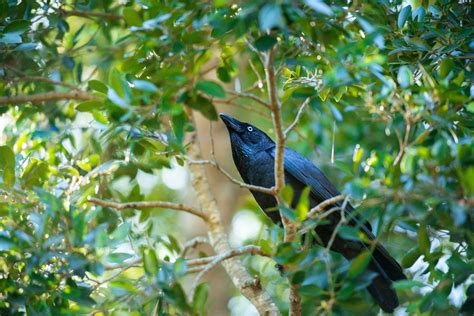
(231,123)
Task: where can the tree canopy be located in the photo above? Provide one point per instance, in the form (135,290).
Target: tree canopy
(103,104)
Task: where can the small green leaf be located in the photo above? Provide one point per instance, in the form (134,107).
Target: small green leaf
(144,85)
(200,298)
(287,193)
(407,284)
(405,77)
(7,166)
(97,86)
(445,67)
(410,258)
(319,6)
(100,117)
(359,264)
(423,239)
(403,16)
(88,106)
(211,88)
(270,16)
(303,204)
(150,261)
(265,42)
(17,27)
(203,105)
(132,17)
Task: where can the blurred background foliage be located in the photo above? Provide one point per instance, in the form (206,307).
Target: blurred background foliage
(390,121)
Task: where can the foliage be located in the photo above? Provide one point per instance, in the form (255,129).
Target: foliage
(390,120)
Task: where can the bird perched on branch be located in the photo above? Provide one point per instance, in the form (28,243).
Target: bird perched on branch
(254,156)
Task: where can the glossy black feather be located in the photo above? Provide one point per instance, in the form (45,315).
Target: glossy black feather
(254,156)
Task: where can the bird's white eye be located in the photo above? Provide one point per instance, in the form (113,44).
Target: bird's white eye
(250,128)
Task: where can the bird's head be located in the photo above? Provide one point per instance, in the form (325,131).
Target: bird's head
(245,138)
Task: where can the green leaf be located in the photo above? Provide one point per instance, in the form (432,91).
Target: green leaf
(211,88)
(423,239)
(200,298)
(319,6)
(287,193)
(265,42)
(203,105)
(17,27)
(270,16)
(150,262)
(403,16)
(100,117)
(445,67)
(223,74)
(359,264)
(7,166)
(97,86)
(411,256)
(303,204)
(407,284)
(132,17)
(88,106)
(144,85)
(405,77)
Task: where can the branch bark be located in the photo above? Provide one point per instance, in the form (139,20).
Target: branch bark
(151,204)
(275,107)
(246,284)
(211,262)
(48,96)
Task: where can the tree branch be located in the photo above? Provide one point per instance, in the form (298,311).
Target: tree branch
(150,204)
(90,14)
(246,284)
(297,118)
(249,96)
(48,96)
(190,244)
(321,206)
(275,107)
(232,179)
(211,262)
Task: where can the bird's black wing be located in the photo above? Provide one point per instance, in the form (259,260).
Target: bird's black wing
(322,189)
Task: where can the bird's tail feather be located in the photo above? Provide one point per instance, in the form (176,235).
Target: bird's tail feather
(383,293)
(388,270)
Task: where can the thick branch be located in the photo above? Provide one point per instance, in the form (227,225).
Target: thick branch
(150,204)
(211,262)
(275,107)
(48,96)
(246,284)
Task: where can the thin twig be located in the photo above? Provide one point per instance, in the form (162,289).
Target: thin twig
(403,144)
(246,108)
(48,96)
(249,96)
(244,185)
(297,118)
(190,244)
(321,206)
(149,204)
(90,14)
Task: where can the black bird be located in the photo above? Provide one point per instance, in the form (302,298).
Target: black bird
(254,156)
